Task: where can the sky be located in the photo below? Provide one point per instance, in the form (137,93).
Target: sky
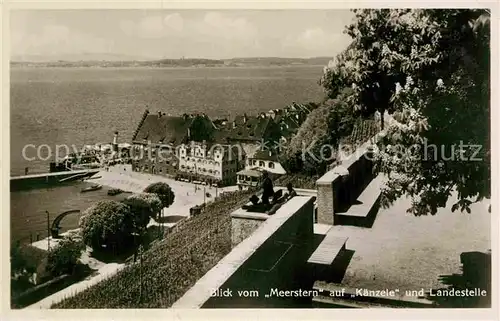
(155,34)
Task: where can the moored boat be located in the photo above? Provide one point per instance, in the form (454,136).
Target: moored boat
(91,188)
(115,191)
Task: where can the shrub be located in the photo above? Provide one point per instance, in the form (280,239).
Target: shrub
(163,191)
(316,142)
(143,206)
(107,223)
(63,258)
(25,259)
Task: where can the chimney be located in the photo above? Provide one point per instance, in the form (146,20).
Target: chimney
(245,118)
(234,124)
(159,114)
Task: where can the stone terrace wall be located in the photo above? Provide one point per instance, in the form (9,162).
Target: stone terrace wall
(273,256)
(342,185)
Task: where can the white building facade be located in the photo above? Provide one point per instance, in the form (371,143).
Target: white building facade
(210,163)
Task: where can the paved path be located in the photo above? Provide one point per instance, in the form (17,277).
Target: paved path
(103,272)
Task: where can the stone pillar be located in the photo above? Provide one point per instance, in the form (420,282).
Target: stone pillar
(326,197)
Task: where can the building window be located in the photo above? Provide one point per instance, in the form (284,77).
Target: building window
(262,164)
(271,165)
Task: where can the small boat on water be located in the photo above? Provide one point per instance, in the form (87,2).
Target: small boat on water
(91,188)
(115,191)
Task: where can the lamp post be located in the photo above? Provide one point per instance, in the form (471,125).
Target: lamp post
(48,231)
(140,273)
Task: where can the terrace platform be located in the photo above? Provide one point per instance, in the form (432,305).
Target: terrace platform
(245,222)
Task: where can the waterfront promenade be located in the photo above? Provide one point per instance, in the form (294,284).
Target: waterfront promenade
(187,194)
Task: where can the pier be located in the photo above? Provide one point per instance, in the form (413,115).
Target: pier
(48,179)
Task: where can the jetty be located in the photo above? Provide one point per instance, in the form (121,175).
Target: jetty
(48,179)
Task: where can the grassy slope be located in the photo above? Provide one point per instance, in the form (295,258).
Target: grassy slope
(170,267)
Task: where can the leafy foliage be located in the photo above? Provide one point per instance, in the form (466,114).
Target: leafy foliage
(25,259)
(107,223)
(315,144)
(143,207)
(431,68)
(64,257)
(164,192)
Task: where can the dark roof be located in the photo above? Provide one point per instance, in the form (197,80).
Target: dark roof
(246,128)
(262,154)
(173,129)
(287,124)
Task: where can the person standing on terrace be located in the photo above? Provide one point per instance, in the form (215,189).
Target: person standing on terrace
(267,188)
(291,192)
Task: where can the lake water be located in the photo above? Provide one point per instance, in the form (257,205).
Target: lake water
(77,106)
(28,216)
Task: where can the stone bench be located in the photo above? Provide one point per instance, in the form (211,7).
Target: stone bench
(365,204)
(328,249)
(321,262)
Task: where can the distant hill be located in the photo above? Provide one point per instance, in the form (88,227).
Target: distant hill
(78,57)
(109,60)
(263,61)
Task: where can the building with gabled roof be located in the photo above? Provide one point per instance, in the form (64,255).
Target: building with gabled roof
(209,162)
(250,131)
(165,129)
(156,140)
(262,160)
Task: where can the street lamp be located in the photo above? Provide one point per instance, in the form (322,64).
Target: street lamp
(48,231)
(140,273)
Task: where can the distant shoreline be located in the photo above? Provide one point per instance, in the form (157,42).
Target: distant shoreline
(19,66)
(176,63)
